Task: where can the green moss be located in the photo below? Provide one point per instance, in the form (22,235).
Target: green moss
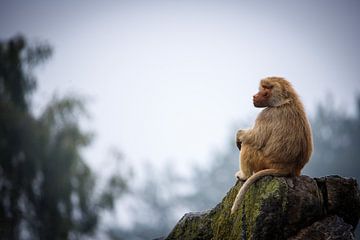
(222,220)
(193,226)
(223,223)
(269,189)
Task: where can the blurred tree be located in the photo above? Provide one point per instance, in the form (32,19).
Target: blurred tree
(336,142)
(46,188)
(154,207)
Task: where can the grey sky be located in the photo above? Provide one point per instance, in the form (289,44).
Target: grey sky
(167,79)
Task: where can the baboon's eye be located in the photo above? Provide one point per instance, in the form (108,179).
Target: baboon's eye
(267,86)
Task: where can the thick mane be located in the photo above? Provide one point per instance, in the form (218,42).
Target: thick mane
(284,90)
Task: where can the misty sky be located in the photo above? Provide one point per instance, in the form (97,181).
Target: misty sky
(170,81)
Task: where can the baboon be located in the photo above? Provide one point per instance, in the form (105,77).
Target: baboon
(280,143)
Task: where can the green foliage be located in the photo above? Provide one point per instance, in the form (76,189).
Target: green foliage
(46,188)
(16,62)
(116,183)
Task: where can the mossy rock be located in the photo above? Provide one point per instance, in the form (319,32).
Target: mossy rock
(277,208)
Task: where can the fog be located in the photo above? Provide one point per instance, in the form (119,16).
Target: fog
(181,72)
(169,82)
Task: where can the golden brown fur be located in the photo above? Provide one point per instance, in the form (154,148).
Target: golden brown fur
(280,143)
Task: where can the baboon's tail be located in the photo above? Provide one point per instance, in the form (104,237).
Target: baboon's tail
(241,194)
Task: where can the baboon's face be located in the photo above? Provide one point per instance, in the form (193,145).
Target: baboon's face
(262,98)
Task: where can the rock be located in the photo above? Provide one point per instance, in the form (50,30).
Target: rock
(280,208)
(196,224)
(330,228)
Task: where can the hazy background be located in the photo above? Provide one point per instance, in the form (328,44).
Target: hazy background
(168,83)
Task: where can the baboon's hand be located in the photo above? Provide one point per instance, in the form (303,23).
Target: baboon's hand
(238,144)
(239,134)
